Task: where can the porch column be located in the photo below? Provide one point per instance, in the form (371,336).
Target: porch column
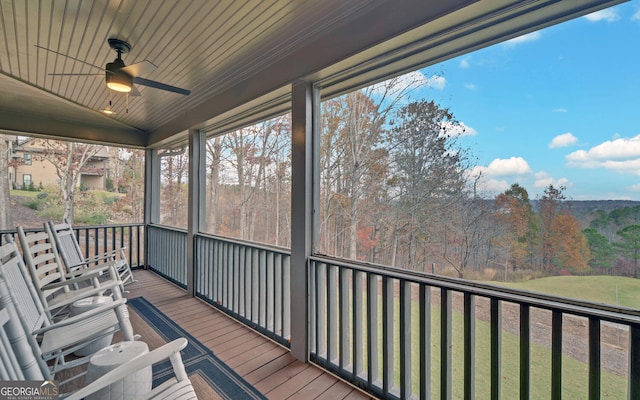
(196,204)
(151,195)
(303,149)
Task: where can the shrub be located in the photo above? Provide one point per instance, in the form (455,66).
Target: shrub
(42,196)
(52,212)
(33,204)
(95,218)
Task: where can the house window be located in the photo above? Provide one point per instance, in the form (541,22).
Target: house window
(27,159)
(26,180)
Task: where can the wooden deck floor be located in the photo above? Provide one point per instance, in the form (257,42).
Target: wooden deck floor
(259,360)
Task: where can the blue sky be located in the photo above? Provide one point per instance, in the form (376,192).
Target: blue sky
(559,106)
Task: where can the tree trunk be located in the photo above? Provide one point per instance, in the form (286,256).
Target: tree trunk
(5,194)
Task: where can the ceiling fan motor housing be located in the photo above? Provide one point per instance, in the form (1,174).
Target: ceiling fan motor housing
(117,79)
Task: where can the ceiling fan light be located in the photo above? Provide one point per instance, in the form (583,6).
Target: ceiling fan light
(118,81)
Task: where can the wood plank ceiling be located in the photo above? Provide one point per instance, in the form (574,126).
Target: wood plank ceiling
(225,52)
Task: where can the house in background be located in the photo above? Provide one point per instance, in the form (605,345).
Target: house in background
(29,164)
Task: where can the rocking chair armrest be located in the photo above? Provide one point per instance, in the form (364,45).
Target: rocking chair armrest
(169,350)
(104,256)
(89,271)
(81,317)
(96,291)
(100,257)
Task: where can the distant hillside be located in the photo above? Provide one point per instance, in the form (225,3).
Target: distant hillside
(582,209)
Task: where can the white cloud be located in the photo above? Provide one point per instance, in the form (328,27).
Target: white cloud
(636,16)
(560,110)
(509,166)
(529,37)
(470,86)
(459,129)
(564,140)
(464,63)
(543,180)
(608,15)
(436,82)
(619,154)
(405,83)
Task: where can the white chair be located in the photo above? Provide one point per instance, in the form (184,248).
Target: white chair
(18,360)
(176,388)
(71,253)
(56,288)
(56,340)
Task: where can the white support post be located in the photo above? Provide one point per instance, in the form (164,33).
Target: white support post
(303,149)
(151,194)
(196,212)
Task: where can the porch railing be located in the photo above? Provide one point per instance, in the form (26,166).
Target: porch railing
(97,239)
(167,253)
(404,335)
(246,280)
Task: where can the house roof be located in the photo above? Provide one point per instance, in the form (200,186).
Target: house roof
(232,55)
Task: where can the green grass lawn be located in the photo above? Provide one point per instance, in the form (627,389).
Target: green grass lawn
(575,379)
(24,193)
(605,289)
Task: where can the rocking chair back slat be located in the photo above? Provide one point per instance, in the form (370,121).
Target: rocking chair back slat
(68,246)
(15,274)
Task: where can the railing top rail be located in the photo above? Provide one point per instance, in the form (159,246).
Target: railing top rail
(168,228)
(118,225)
(582,308)
(254,245)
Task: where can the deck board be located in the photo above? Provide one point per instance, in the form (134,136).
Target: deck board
(262,362)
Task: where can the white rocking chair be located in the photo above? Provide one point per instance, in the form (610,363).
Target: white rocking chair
(56,340)
(56,288)
(71,253)
(18,361)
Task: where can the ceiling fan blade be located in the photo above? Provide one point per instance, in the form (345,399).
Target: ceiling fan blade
(64,55)
(74,74)
(141,68)
(161,86)
(134,91)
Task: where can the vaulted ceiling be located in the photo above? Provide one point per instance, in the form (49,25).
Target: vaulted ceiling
(230,54)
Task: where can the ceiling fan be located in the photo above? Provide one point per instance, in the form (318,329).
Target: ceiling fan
(120,77)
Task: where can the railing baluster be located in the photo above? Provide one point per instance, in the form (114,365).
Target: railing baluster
(358,342)
(387,334)
(446,344)
(235,285)
(405,340)
(277,292)
(255,284)
(286,284)
(262,281)
(270,290)
(332,314)
(525,355)
(634,361)
(344,304)
(469,345)
(372,328)
(321,310)
(556,355)
(594,359)
(425,341)
(313,307)
(496,348)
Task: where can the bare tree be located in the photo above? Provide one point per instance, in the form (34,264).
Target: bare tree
(68,159)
